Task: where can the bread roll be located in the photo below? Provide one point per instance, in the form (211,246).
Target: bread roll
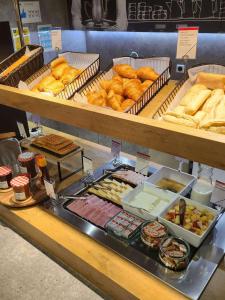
(197,101)
(58,71)
(179,121)
(55,87)
(211,81)
(215,98)
(45,82)
(57,62)
(13,66)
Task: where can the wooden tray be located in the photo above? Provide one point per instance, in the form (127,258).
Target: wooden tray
(8,199)
(62,152)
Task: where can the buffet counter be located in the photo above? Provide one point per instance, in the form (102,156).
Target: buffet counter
(96,265)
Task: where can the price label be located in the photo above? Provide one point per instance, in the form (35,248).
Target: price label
(142,163)
(50,191)
(22,130)
(88,165)
(56,36)
(115,148)
(187,42)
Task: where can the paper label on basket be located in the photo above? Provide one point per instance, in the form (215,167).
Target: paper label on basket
(88,165)
(115,148)
(142,163)
(56,36)
(21,129)
(50,191)
(187,42)
(218,195)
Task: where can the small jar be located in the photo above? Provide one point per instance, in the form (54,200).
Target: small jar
(5,177)
(27,163)
(152,233)
(21,188)
(174,253)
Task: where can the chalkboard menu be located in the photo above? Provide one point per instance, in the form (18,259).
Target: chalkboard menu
(148,15)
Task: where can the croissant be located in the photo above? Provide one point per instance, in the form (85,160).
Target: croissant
(125,70)
(69,75)
(146,84)
(133,93)
(117,78)
(117,87)
(106,84)
(45,82)
(55,87)
(127,104)
(114,103)
(147,73)
(58,61)
(132,83)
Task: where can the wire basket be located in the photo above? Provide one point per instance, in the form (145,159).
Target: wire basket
(165,105)
(25,70)
(147,96)
(91,62)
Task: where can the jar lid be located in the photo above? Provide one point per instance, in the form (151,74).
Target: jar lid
(25,156)
(19,181)
(5,170)
(154,229)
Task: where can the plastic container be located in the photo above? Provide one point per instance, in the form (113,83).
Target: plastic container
(149,192)
(152,233)
(5,177)
(189,236)
(174,253)
(184,178)
(20,185)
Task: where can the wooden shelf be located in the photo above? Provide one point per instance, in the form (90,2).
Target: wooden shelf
(193,144)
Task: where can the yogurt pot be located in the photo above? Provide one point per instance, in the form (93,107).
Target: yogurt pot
(21,188)
(5,177)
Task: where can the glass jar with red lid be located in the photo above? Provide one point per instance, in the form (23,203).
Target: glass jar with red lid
(5,177)
(27,163)
(21,187)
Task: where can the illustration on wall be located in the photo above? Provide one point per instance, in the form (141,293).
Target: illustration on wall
(146,15)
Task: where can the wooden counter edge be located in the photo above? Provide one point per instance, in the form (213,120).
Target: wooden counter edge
(105,270)
(193,144)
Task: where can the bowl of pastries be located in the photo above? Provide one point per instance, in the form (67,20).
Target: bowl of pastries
(61,74)
(124,89)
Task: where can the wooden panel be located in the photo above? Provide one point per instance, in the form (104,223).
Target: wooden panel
(194,144)
(99,265)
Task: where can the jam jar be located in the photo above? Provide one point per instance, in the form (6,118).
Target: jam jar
(152,233)
(27,163)
(174,253)
(5,177)
(21,188)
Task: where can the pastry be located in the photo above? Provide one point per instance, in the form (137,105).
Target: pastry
(127,104)
(211,81)
(125,70)
(193,91)
(57,62)
(146,84)
(69,75)
(147,73)
(58,71)
(197,101)
(215,98)
(55,87)
(180,121)
(117,78)
(106,84)
(117,87)
(45,82)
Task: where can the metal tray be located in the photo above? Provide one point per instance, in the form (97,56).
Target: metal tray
(190,282)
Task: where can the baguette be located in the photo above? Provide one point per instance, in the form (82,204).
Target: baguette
(13,66)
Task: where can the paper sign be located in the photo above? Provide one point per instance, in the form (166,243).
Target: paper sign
(16,37)
(142,163)
(30,12)
(115,149)
(22,130)
(49,189)
(44,35)
(88,165)
(56,36)
(187,42)
(218,195)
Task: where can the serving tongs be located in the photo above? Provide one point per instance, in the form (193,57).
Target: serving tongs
(182,209)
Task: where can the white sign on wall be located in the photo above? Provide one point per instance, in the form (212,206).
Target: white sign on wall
(187,43)
(30,12)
